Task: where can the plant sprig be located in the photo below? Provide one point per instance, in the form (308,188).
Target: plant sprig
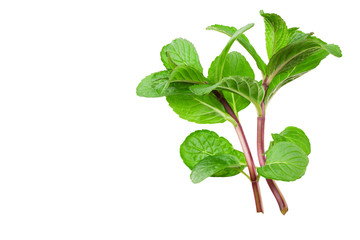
(229,88)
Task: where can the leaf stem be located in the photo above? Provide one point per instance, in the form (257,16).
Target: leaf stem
(262,158)
(247,152)
(248,177)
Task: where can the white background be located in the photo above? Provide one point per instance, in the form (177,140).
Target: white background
(82,157)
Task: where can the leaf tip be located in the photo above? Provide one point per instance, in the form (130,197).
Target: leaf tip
(194,179)
(333,50)
(210,27)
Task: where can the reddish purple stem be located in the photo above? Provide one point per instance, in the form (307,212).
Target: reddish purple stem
(247,153)
(262,158)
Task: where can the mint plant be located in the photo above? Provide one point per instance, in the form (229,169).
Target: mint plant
(230,87)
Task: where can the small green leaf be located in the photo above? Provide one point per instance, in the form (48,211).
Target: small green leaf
(298,35)
(157,85)
(160,82)
(295,35)
(219,67)
(294,135)
(181,76)
(180,52)
(333,49)
(211,165)
(178,89)
(291,33)
(146,87)
(245,87)
(199,109)
(276,33)
(165,57)
(204,143)
(242,39)
(187,74)
(285,162)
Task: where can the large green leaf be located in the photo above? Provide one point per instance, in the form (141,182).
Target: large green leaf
(199,109)
(180,52)
(294,135)
(286,161)
(292,55)
(303,54)
(243,40)
(276,33)
(218,67)
(245,87)
(308,64)
(215,164)
(235,65)
(204,143)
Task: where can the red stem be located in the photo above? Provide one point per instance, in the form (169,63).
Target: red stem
(247,153)
(251,167)
(262,159)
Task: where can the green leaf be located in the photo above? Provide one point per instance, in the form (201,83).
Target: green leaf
(146,87)
(180,52)
(308,64)
(187,74)
(285,162)
(291,33)
(333,49)
(295,35)
(218,68)
(292,55)
(181,76)
(243,40)
(330,48)
(204,143)
(293,62)
(235,65)
(276,33)
(199,109)
(178,89)
(294,135)
(165,57)
(160,82)
(211,165)
(157,85)
(245,87)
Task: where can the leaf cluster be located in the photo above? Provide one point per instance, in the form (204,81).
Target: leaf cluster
(200,99)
